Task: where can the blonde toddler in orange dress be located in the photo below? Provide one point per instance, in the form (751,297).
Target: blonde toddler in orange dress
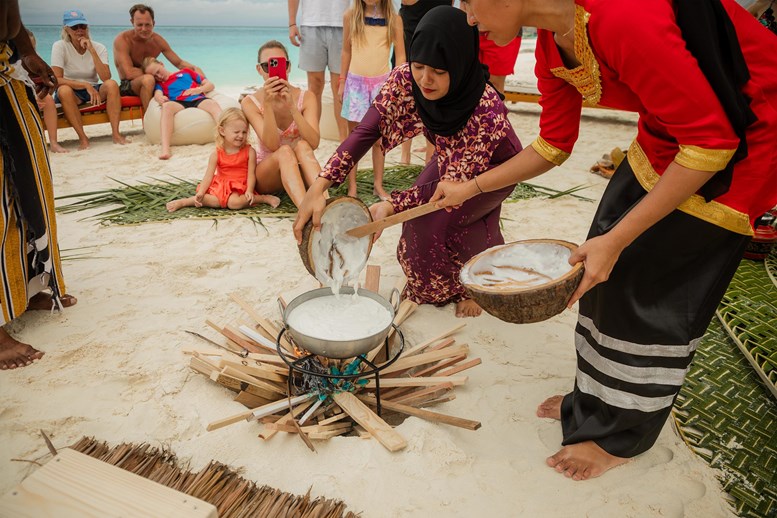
(229,181)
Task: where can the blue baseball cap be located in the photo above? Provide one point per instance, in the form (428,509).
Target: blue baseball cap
(74,17)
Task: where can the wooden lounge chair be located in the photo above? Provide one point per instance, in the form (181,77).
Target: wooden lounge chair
(131,109)
(521,92)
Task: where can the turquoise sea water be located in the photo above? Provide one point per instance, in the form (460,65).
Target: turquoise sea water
(227,55)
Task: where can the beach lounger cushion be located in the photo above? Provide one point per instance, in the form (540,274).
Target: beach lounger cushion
(191,126)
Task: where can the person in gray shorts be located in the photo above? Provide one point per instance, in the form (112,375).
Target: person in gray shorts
(316,27)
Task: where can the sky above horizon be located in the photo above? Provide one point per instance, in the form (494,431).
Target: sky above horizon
(258,13)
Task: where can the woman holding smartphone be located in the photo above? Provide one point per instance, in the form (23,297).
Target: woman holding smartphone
(285,119)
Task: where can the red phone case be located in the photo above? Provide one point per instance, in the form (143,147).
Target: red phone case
(276,67)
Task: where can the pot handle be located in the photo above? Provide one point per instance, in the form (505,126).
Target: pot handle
(395,305)
(282,310)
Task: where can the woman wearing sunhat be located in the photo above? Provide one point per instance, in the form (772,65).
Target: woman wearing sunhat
(83,76)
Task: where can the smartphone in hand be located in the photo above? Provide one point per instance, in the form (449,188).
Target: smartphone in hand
(276,67)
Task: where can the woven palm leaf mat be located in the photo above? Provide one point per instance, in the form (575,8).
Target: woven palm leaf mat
(145,202)
(724,411)
(748,312)
(220,485)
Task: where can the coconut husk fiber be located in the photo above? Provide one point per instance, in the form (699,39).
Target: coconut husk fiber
(218,484)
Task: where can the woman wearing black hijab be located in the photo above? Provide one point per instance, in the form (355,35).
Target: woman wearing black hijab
(443,92)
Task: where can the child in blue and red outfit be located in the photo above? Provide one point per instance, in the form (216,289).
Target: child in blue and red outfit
(176,91)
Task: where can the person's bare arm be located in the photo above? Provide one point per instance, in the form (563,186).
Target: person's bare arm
(10,20)
(102,69)
(40,71)
(123,60)
(175,59)
(294,36)
(307,121)
(400,52)
(264,128)
(345,53)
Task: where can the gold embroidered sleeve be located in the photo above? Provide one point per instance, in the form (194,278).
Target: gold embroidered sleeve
(549,152)
(701,159)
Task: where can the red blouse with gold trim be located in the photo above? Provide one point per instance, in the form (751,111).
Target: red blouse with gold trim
(632,57)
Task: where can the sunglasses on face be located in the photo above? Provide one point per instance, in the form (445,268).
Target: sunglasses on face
(79,26)
(266,69)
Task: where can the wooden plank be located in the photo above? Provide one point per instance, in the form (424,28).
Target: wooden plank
(256,369)
(260,337)
(372,278)
(433,369)
(418,382)
(76,485)
(406,308)
(250,400)
(371,422)
(333,419)
(297,410)
(236,384)
(251,346)
(259,319)
(423,345)
(277,406)
(431,398)
(264,385)
(422,359)
(458,368)
(420,392)
(424,414)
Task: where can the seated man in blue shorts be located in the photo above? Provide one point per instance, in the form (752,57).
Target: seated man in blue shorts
(175,91)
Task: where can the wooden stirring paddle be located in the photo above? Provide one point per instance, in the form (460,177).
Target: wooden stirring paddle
(383,223)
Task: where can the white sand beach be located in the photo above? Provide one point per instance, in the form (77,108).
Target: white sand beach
(114,369)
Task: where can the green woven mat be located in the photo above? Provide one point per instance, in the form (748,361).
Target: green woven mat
(725,414)
(771,265)
(145,202)
(725,411)
(748,312)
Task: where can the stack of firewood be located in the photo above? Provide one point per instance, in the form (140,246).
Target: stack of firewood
(246,361)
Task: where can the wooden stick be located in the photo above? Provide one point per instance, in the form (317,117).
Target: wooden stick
(360,413)
(421,392)
(422,359)
(264,323)
(372,278)
(250,400)
(333,419)
(221,423)
(255,369)
(424,414)
(258,338)
(297,410)
(383,223)
(438,366)
(458,368)
(310,411)
(418,382)
(423,345)
(238,384)
(426,399)
(279,405)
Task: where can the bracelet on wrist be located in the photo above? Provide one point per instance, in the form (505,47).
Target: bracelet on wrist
(478,185)
(292,25)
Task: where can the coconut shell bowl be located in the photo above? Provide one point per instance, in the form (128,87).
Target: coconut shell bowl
(524,281)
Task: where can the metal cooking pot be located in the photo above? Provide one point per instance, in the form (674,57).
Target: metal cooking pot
(339,349)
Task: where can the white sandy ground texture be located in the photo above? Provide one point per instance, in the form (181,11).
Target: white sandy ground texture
(113,367)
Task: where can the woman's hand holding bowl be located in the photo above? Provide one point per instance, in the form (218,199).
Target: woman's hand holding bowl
(599,255)
(312,206)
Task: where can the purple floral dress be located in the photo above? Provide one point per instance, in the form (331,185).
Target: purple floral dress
(433,248)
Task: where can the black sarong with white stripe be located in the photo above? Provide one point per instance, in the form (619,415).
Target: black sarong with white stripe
(637,332)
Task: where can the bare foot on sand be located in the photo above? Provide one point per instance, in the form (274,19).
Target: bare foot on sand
(165,155)
(83,144)
(15,354)
(583,460)
(42,302)
(269,199)
(56,148)
(119,139)
(174,205)
(551,408)
(468,308)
